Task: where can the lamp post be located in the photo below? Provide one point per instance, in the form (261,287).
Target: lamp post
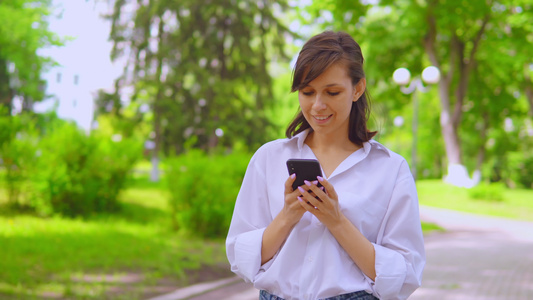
(402,77)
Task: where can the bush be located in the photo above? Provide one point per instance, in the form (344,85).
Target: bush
(79,175)
(18,155)
(203,191)
(488,192)
(520,167)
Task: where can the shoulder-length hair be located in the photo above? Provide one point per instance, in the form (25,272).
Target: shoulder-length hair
(318,54)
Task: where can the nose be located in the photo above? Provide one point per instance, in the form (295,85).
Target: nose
(319,104)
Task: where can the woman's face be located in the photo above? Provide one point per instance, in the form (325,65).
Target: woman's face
(327,100)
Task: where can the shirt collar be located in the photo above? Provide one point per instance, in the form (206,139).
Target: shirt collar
(367,146)
(372,144)
(300,138)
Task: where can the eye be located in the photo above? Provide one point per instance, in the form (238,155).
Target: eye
(333,93)
(308,93)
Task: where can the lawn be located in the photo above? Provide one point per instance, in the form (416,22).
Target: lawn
(131,255)
(514,204)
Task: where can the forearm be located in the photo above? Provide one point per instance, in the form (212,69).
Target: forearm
(358,247)
(274,236)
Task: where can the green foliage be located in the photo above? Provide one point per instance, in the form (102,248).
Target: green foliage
(79,175)
(203,191)
(18,155)
(53,167)
(23,31)
(286,107)
(476,45)
(520,166)
(201,67)
(488,192)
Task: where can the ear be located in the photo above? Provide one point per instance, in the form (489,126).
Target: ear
(359,89)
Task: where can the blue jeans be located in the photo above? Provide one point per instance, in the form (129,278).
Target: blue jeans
(361,295)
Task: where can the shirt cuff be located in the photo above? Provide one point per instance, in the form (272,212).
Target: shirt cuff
(248,253)
(390,273)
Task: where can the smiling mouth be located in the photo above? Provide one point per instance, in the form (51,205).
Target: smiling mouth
(321,118)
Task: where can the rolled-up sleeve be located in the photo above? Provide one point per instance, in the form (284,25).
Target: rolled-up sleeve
(251,216)
(400,253)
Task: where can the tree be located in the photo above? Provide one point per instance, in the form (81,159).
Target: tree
(454,36)
(23,30)
(202,66)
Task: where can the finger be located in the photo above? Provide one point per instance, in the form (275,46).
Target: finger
(301,190)
(316,191)
(289,182)
(306,196)
(306,204)
(329,188)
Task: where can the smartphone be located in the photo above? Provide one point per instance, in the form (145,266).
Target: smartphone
(305,169)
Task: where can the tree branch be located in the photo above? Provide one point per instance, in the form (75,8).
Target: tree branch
(465,67)
(430,37)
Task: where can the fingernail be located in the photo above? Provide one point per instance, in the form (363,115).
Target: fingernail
(307,183)
(322,188)
(301,189)
(293,175)
(300,199)
(320,178)
(315,182)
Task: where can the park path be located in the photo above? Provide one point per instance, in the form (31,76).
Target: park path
(477,257)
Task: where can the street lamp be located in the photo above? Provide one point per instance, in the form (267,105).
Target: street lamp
(402,77)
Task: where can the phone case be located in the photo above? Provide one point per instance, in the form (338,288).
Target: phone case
(305,169)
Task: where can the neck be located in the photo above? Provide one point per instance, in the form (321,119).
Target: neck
(330,142)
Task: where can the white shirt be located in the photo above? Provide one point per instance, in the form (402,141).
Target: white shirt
(377,194)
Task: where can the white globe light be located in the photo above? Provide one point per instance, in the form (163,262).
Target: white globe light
(431,75)
(401,76)
(398,121)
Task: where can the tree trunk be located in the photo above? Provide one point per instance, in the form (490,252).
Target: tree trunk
(154,176)
(449,131)
(482,150)
(6,94)
(528,89)
(529,95)
(450,121)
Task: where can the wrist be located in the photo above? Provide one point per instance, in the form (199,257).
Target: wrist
(287,219)
(339,224)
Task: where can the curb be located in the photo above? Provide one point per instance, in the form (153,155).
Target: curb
(197,289)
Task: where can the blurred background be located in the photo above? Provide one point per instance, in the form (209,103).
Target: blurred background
(126,126)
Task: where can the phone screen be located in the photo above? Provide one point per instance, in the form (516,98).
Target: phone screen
(305,169)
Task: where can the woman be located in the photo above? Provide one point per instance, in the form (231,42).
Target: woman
(360,238)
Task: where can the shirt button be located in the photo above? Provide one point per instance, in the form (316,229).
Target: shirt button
(310,259)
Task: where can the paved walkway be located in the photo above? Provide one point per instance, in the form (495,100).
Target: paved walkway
(477,257)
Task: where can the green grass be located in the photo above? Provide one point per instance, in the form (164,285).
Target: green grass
(515,203)
(106,257)
(430,227)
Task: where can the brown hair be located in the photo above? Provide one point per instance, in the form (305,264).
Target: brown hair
(319,53)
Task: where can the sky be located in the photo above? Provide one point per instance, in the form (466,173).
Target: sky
(85,66)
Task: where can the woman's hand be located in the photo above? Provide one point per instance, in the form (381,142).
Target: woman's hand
(326,209)
(279,229)
(292,209)
(326,206)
